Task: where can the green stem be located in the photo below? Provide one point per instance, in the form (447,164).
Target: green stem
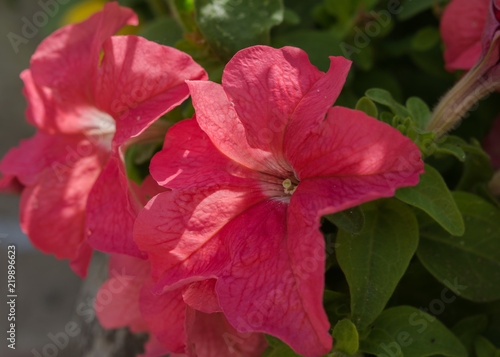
(456,103)
(470,89)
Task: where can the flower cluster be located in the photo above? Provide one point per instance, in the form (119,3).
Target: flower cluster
(228,247)
(471,35)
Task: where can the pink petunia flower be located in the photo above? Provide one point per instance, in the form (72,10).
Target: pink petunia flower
(185,321)
(481,79)
(89,96)
(252,175)
(10,184)
(461,26)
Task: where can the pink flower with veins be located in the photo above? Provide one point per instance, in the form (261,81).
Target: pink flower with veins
(462,25)
(185,321)
(90,94)
(251,176)
(477,51)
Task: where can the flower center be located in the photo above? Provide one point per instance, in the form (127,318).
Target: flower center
(101,123)
(99,127)
(289,186)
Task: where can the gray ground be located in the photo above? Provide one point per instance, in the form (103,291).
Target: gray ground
(46,287)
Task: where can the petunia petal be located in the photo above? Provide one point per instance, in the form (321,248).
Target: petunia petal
(10,184)
(165,316)
(58,80)
(55,112)
(217,117)
(138,81)
(210,335)
(65,58)
(461,26)
(143,193)
(178,229)
(110,214)
(267,85)
(350,143)
(41,110)
(270,285)
(45,152)
(80,263)
(258,284)
(117,301)
(153,348)
(201,296)
(53,207)
(190,159)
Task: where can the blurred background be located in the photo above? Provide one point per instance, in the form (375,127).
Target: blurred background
(46,287)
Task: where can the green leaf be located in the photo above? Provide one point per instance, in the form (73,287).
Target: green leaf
(485,348)
(425,39)
(387,117)
(378,78)
(419,111)
(367,106)
(374,260)
(468,329)
(137,159)
(432,196)
(383,97)
(274,341)
(165,31)
(336,305)
(350,220)
(379,343)
(319,45)
(410,332)
(231,25)
(345,337)
(468,265)
(477,167)
(452,145)
(278,348)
